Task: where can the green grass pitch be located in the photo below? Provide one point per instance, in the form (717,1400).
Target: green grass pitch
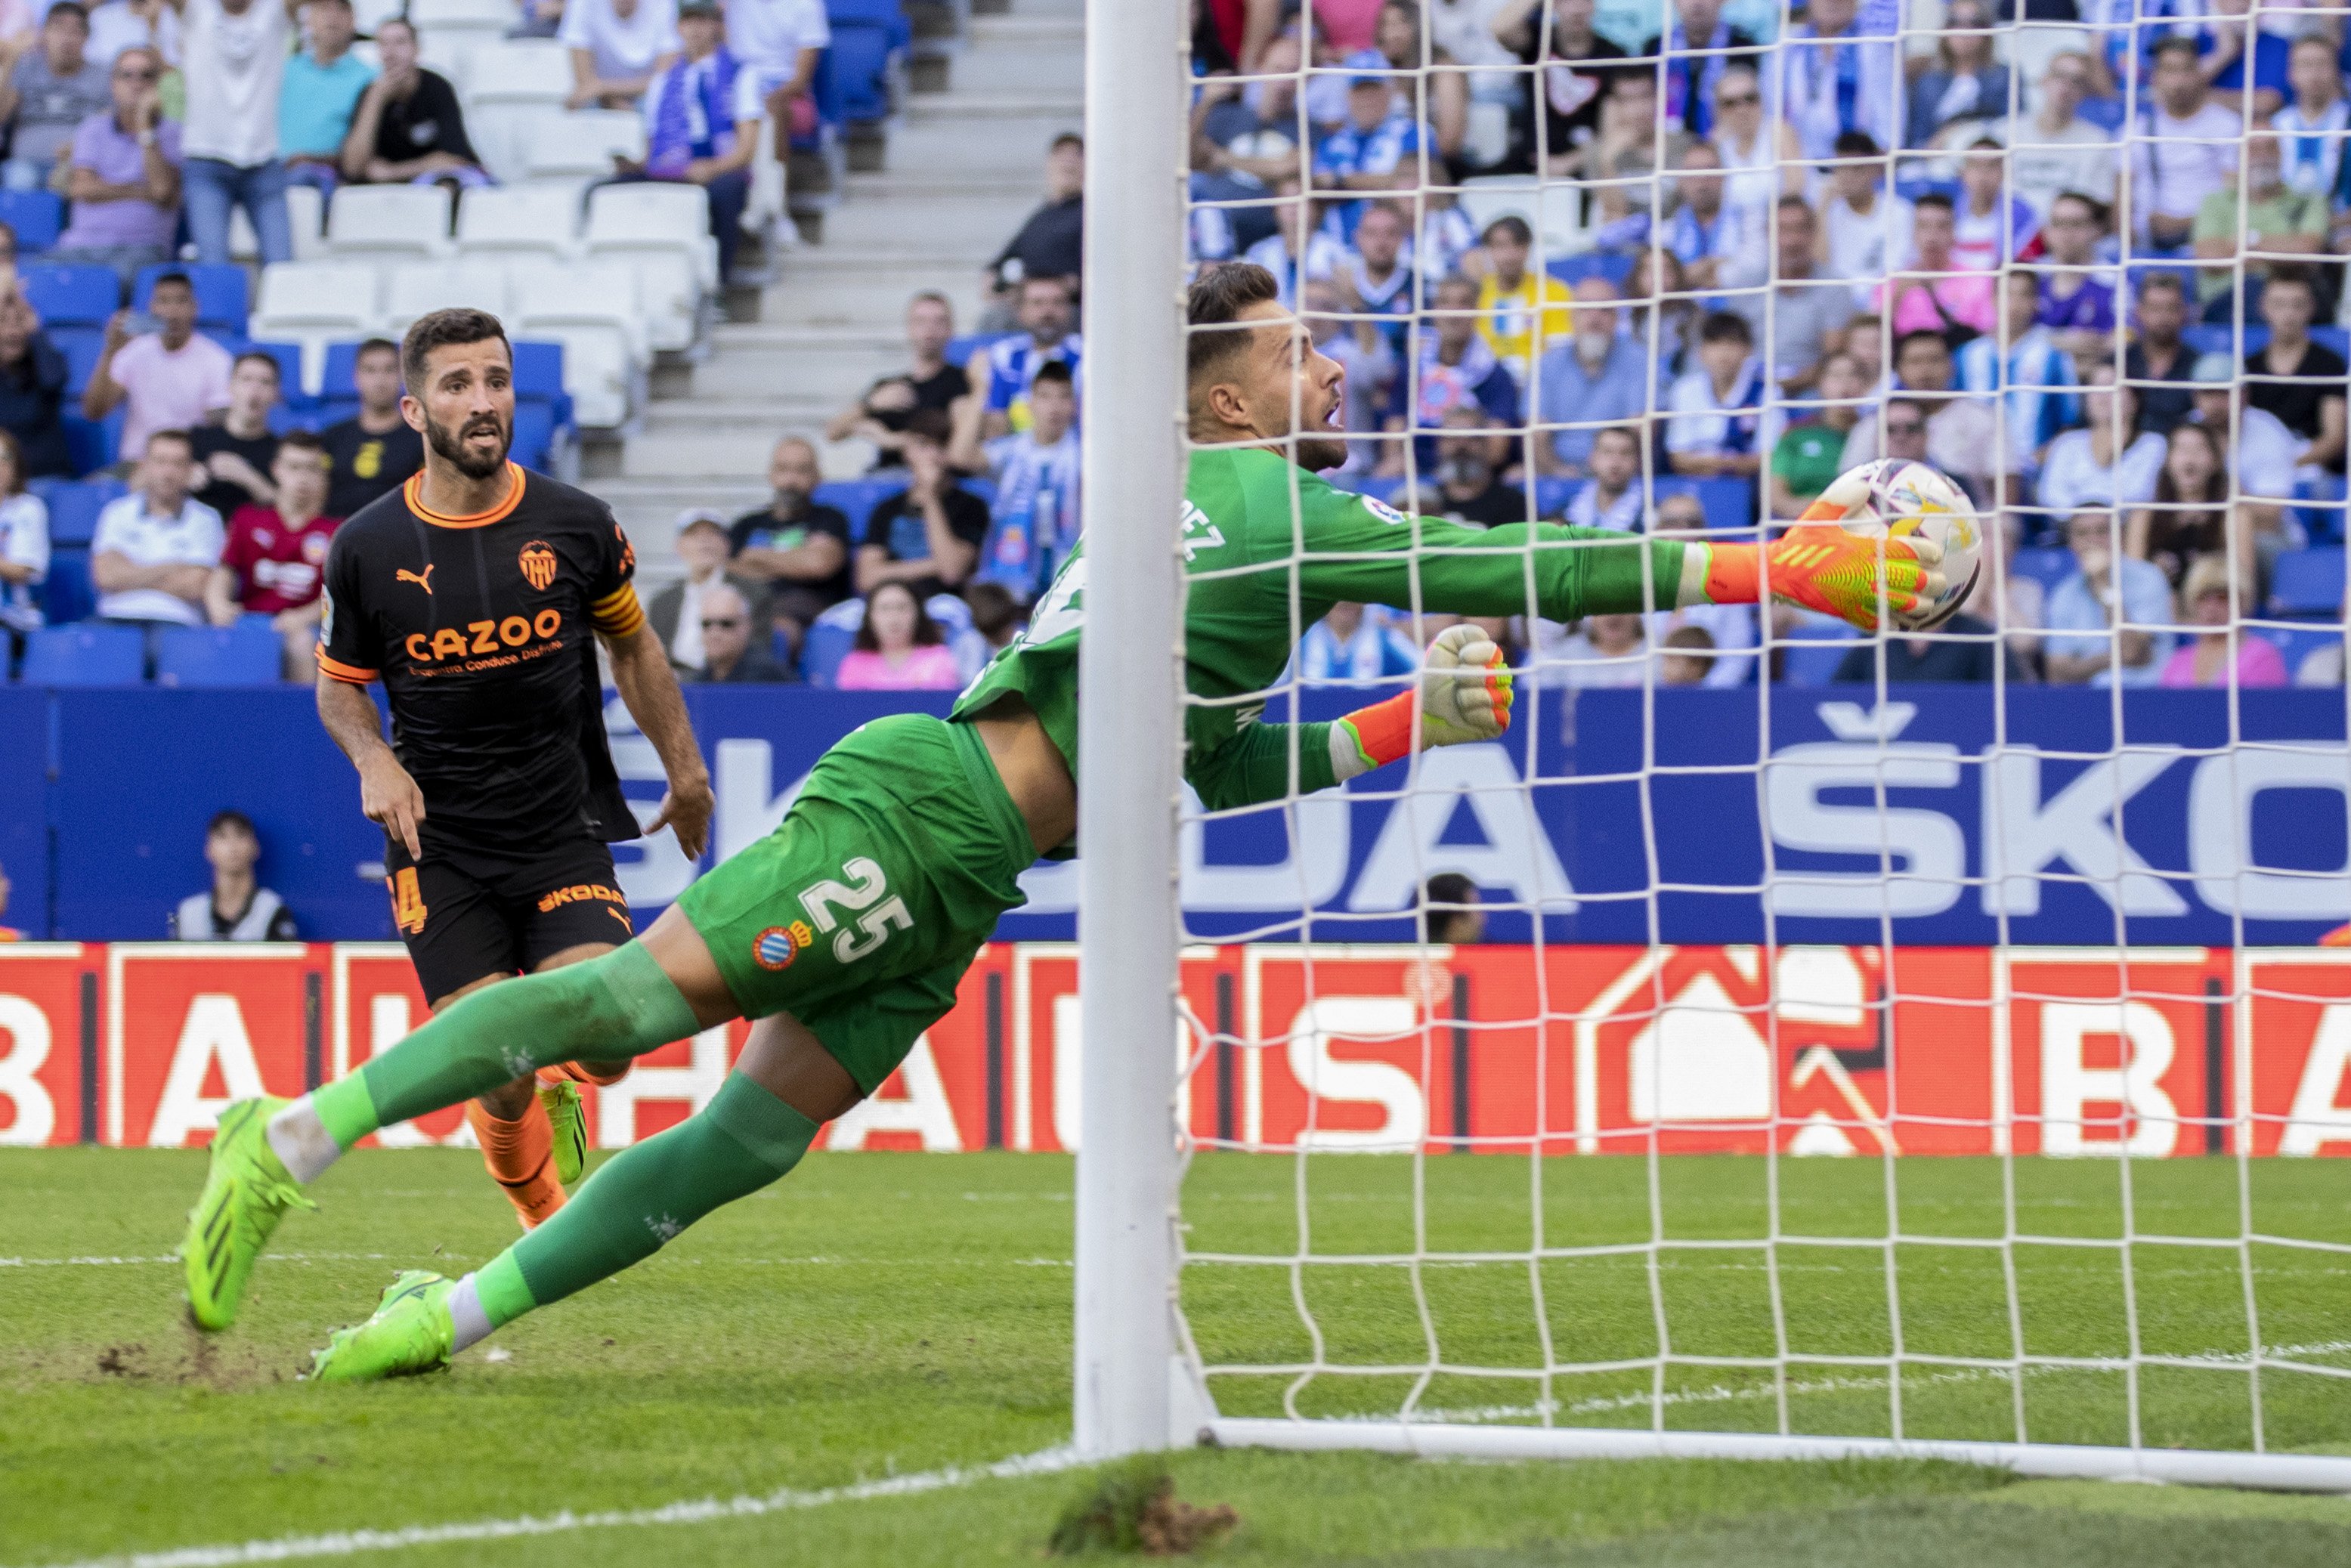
(883,1314)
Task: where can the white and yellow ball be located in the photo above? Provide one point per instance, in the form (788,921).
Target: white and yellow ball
(1901,498)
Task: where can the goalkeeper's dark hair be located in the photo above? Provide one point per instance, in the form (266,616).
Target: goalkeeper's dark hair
(1216,300)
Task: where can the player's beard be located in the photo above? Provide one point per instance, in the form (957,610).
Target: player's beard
(453,447)
(1319,452)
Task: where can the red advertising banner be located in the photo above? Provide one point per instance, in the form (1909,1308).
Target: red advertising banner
(1810,1051)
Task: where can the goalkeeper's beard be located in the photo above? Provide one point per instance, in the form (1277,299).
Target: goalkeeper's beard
(1315,454)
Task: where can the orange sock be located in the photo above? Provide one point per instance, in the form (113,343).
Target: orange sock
(520,1154)
(585,1072)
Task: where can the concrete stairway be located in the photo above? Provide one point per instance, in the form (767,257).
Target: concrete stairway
(964,167)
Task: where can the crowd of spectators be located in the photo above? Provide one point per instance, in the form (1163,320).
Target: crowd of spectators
(1765,253)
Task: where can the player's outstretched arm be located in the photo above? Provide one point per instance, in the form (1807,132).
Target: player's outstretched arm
(649,687)
(387,794)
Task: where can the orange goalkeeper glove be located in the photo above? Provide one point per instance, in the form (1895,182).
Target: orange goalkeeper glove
(1464,695)
(1829,569)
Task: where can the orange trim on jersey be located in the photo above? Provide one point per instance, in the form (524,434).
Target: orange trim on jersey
(412,492)
(618,613)
(342,672)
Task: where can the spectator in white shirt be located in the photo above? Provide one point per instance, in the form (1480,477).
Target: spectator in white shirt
(2310,129)
(2109,622)
(1986,228)
(1730,629)
(24,544)
(1716,430)
(170,379)
(781,41)
(1830,80)
(1613,499)
(155,548)
(618,48)
(1864,229)
(2262,453)
(1300,248)
(2111,463)
(2186,149)
(1352,646)
(2056,149)
(239,908)
(121,25)
(234,63)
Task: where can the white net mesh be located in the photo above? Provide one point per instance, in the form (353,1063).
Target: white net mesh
(2013,924)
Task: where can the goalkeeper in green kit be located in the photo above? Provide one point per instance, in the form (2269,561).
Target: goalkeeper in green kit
(845,932)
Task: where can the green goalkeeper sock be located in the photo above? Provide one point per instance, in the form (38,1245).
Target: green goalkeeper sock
(610,1009)
(742,1139)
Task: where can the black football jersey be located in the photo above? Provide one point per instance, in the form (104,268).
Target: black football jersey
(481,629)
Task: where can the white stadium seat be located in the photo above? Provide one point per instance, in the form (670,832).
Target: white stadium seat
(663,232)
(581,145)
(389,221)
(314,303)
(367,14)
(413,291)
(305,215)
(517,71)
(500,133)
(592,307)
(493,17)
(524,221)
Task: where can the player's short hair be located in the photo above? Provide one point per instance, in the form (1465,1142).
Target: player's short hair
(301,441)
(375,345)
(1724,327)
(1216,300)
(256,357)
(182,436)
(1054,371)
(994,611)
(446,329)
(232,817)
(1510,227)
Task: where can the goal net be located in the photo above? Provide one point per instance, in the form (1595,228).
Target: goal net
(1786,1040)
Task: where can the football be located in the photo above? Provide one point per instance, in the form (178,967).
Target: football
(1900,498)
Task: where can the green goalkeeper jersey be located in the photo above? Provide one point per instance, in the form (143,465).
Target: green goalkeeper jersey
(1267,548)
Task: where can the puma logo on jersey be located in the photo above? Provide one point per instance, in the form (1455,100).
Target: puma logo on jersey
(424,582)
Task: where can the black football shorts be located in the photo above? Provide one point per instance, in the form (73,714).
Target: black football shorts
(467,915)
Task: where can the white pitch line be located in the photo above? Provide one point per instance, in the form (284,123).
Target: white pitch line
(705,1510)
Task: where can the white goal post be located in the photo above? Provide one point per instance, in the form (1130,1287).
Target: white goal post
(1141,1381)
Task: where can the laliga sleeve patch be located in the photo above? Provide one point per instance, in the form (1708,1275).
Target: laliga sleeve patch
(1381,510)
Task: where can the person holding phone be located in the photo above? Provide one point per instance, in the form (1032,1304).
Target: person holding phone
(123,176)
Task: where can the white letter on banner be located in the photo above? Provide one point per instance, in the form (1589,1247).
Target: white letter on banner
(1309,876)
(747,813)
(1380,1084)
(2023,833)
(2317,1119)
(1517,853)
(36,1115)
(2067,1085)
(2220,836)
(924,1109)
(1070,1071)
(695,1084)
(660,870)
(1928,845)
(214,1031)
(1700,1060)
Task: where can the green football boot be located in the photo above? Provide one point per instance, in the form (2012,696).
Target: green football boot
(410,1333)
(561,1099)
(246,1192)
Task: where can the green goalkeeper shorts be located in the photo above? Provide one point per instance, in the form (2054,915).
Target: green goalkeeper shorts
(859,914)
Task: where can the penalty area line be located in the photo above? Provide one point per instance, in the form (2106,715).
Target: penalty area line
(704,1510)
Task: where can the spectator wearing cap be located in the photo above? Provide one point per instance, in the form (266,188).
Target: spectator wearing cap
(780,43)
(169,379)
(702,117)
(233,56)
(1522,310)
(2158,363)
(235,454)
(1600,376)
(323,86)
(676,612)
(408,126)
(798,549)
(123,175)
(1001,373)
(152,555)
(619,48)
(23,549)
(928,535)
(1035,521)
(1050,242)
(732,650)
(2261,452)
(44,99)
(33,376)
(880,413)
(276,556)
(237,908)
(375,450)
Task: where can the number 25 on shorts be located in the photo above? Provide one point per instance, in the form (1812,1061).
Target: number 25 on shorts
(866,894)
(407,900)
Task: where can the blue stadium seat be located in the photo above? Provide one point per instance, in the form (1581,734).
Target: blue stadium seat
(67,593)
(826,92)
(2296,644)
(829,642)
(2322,523)
(221,302)
(858,497)
(537,369)
(92,444)
(77,296)
(82,346)
(2047,567)
(74,506)
(36,215)
(1552,494)
(1814,653)
(862,59)
(2308,583)
(534,434)
(960,349)
(2105,113)
(85,656)
(288,355)
(1730,503)
(1615,266)
(245,655)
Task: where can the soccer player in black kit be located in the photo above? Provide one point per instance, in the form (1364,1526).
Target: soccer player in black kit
(475,593)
